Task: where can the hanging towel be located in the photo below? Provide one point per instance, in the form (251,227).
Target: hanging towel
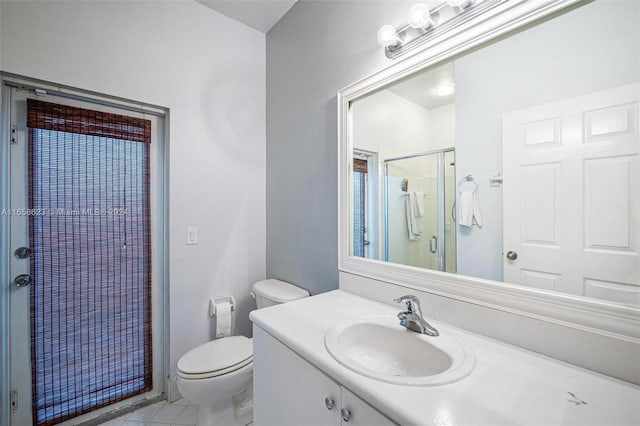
(419,196)
(417,224)
(414,224)
(407,210)
(469,212)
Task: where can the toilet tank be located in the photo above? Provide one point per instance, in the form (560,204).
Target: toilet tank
(273,292)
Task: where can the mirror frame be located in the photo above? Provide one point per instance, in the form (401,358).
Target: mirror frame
(590,315)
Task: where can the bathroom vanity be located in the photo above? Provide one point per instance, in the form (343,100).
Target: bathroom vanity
(541,110)
(297,381)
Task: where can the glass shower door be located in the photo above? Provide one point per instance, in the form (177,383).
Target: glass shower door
(419,199)
(412,211)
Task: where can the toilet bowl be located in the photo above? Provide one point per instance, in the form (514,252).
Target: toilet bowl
(217,375)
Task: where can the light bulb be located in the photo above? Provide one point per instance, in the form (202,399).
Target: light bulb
(445,89)
(419,16)
(459,3)
(388,36)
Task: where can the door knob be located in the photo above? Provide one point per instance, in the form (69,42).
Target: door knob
(22,280)
(22,252)
(512,255)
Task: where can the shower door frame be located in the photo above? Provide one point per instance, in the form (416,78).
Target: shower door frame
(440,202)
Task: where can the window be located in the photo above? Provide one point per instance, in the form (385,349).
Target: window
(359,207)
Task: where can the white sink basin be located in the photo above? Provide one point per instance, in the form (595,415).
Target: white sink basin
(378,347)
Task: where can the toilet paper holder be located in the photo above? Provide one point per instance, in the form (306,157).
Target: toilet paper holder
(221,299)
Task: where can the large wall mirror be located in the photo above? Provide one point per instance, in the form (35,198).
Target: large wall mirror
(513,162)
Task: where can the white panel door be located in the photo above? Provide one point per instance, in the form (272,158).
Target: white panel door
(572,195)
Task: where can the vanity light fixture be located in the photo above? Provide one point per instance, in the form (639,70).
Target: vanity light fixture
(424,22)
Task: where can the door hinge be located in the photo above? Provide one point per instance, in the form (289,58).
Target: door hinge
(14,400)
(14,135)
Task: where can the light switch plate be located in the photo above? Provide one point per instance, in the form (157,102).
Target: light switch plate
(192,235)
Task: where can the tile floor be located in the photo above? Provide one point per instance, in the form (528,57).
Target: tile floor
(159,414)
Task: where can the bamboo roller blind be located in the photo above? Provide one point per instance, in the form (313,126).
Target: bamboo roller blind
(90,233)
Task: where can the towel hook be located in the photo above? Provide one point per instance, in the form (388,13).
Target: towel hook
(468,178)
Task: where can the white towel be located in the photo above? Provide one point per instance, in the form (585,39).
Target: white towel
(414,224)
(419,196)
(407,210)
(468,211)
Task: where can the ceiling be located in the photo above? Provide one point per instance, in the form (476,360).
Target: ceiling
(258,14)
(420,89)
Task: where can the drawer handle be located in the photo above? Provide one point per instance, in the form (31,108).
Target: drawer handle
(330,403)
(346,415)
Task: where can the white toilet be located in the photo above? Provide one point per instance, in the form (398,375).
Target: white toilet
(217,375)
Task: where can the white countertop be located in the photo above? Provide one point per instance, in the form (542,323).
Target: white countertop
(509,385)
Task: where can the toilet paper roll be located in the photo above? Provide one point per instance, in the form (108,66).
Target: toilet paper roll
(223,319)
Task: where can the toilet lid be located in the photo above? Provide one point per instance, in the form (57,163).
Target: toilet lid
(218,356)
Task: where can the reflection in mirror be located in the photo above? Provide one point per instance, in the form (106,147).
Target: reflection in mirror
(515,162)
(419,205)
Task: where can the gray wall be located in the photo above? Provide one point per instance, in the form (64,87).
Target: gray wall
(318,48)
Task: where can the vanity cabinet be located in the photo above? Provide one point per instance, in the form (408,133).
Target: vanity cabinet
(290,391)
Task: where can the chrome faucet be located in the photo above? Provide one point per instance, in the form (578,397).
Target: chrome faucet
(412,318)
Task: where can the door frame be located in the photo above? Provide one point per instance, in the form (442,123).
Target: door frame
(8,81)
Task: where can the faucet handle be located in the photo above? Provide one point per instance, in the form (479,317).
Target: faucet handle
(410,300)
(412,318)
(408,297)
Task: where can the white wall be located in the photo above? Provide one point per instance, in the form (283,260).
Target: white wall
(210,72)
(442,132)
(393,126)
(390,125)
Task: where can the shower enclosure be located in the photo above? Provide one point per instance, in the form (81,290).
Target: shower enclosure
(419,210)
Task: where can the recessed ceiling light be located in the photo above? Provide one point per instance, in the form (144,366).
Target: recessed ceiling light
(445,90)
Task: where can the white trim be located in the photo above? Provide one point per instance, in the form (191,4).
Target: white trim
(14,80)
(600,317)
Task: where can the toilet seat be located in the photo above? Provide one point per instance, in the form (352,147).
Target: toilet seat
(216,358)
